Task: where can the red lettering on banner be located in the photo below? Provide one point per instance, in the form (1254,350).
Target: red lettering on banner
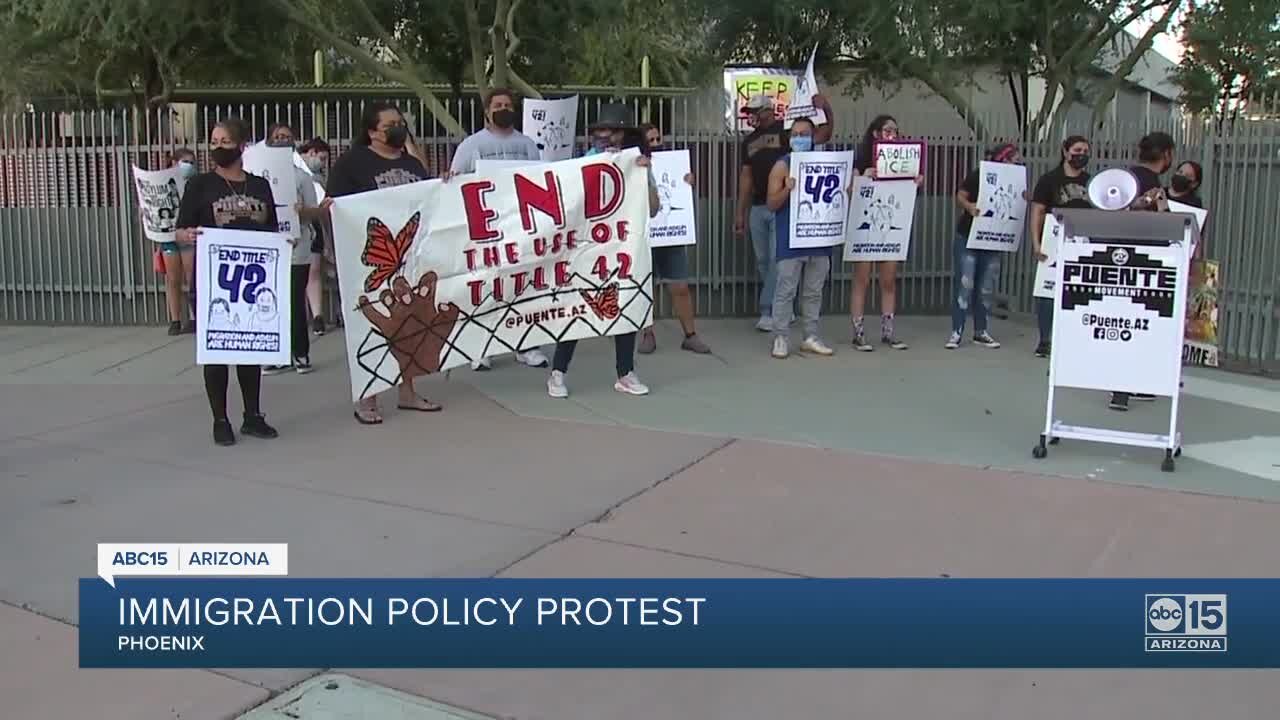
(624,266)
(602,268)
(604,188)
(478,215)
(624,230)
(521,282)
(513,257)
(562,273)
(471,258)
(570,239)
(539,278)
(540,246)
(475,286)
(600,233)
(490,255)
(546,200)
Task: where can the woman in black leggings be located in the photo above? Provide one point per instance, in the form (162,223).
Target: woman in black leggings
(229,197)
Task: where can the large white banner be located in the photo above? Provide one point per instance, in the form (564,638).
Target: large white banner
(159,195)
(879,226)
(276,164)
(820,200)
(434,275)
(1002,207)
(675,223)
(1119,316)
(1047,269)
(553,125)
(242,298)
(802,104)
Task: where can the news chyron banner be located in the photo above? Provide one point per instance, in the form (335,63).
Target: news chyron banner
(169,606)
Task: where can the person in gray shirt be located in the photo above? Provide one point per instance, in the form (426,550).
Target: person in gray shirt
(499,140)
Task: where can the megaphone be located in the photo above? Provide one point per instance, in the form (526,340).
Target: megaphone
(1113,189)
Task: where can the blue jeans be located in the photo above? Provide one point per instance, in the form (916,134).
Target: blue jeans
(761,228)
(1044,318)
(973,284)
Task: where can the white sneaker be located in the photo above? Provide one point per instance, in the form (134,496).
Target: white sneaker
(556,387)
(780,349)
(482,364)
(631,385)
(765,323)
(534,358)
(815,346)
(953,342)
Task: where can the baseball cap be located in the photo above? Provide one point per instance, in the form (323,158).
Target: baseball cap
(759,102)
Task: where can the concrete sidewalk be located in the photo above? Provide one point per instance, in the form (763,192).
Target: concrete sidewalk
(911,463)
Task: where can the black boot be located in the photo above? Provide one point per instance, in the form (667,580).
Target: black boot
(256,426)
(222,434)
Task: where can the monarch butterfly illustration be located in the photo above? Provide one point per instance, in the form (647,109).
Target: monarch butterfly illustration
(604,303)
(384,253)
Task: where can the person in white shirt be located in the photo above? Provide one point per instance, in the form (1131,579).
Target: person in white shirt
(499,140)
(309,211)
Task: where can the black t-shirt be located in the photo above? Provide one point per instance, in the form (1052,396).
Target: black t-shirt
(970,186)
(214,202)
(361,169)
(761,150)
(1192,199)
(1056,189)
(1148,180)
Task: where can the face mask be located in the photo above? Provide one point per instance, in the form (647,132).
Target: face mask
(225,157)
(1181,183)
(801,143)
(397,136)
(314,164)
(601,143)
(504,118)
(1079,162)
(187,168)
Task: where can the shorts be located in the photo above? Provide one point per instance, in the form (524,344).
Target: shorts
(169,248)
(670,263)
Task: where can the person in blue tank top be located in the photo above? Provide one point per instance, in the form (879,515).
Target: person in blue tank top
(798,270)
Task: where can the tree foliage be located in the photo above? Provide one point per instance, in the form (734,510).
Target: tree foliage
(1232,54)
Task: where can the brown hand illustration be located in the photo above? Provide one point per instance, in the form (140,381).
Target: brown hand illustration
(416,328)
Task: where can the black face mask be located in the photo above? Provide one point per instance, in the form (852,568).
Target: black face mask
(1181,184)
(225,157)
(397,136)
(505,119)
(1079,162)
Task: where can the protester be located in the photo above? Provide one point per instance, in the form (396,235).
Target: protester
(1155,158)
(612,131)
(1066,186)
(229,197)
(1184,186)
(672,266)
(179,260)
(799,269)
(974,275)
(315,154)
(760,152)
(883,128)
(499,140)
(310,211)
(378,159)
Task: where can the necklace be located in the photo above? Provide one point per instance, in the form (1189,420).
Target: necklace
(239,194)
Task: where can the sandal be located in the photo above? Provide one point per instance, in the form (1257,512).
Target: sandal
(371,417)
(424,405)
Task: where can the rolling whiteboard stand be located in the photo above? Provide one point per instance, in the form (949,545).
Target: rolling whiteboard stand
(1118,317)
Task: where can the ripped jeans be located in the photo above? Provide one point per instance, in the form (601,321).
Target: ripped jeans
(973,284)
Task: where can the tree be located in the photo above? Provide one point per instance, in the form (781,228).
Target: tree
(944,43)
(148,46)
(1232,54)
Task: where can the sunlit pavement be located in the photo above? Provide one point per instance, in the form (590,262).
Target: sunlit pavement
(914,463)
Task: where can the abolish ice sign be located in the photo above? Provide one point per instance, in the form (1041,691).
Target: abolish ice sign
(820,200)
(1119,320)
(242,298)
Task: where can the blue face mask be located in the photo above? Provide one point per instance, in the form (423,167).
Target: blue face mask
(801,143)
(187,168)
